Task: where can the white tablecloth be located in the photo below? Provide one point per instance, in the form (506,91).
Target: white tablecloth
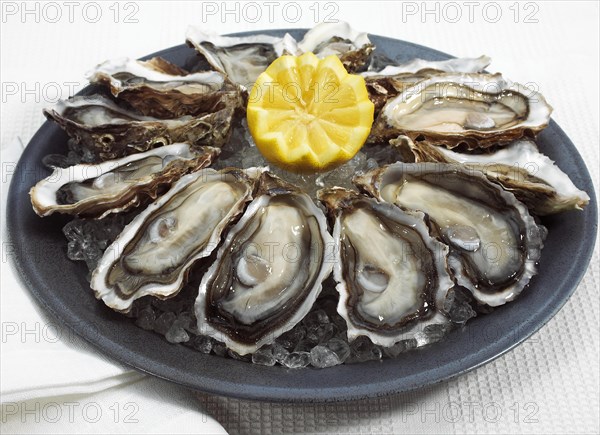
(53,382)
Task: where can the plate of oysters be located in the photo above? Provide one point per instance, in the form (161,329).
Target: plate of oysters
(302,215)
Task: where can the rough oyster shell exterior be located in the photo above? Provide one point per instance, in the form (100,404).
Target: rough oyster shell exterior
(163,90)
(110,131)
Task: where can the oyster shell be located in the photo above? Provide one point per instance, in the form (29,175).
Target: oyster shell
(242,58)
(518,167)
(461,65)
(163,90)
(394,79)
(478,110)
(110,131)
(269,270)
(392,275)
(153,254)
(352,47)
(116,185)
(494,242)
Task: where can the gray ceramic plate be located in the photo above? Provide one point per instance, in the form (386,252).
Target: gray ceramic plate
(60,286)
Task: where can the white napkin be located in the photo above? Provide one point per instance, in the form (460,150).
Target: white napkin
(46,367)
(146,405)
(42,357)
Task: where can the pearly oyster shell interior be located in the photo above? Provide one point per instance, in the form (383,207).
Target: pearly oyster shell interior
(269,271)
(392,274)
(116,185)
(392,80)
(518,167)
(154,253)
(477,110)
(494,242)
(242,58)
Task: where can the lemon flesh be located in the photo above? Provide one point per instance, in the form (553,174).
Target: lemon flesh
(308,114)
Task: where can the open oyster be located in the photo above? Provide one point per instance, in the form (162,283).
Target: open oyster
(116,185)
(519,167)
(478,110)
(268,272)
(242,58)
(154,252)
(110,131)
(161,89)
(494,242)
(394,79)
(392,275)
(339,39)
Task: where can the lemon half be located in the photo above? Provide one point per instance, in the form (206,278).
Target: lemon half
(308,114)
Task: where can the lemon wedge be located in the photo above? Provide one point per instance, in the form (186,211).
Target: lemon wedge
(308,114)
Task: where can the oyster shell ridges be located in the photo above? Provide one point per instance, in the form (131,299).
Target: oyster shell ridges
(110,131)
(161,89)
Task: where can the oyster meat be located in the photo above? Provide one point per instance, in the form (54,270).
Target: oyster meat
(163,90)
(392,274)
(394,79)
(116,185)
(352,47)
(269,270)
(153,254)
(495,244)
(477,110)
(242,58)
(111,131)
(518,167)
